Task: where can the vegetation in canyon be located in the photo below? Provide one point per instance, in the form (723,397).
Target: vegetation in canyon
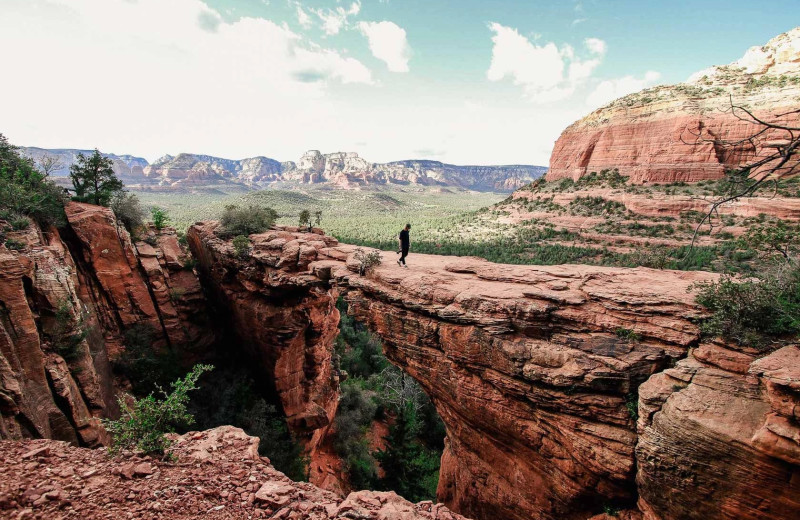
(144,422)
(376,392)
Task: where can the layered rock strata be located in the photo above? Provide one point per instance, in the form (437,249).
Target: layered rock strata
(651,136)
(534,370)
(66,301)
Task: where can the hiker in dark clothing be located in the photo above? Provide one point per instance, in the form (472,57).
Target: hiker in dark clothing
(405,243)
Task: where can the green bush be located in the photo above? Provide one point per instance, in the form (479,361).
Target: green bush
(160,218)
(145,366)
(367,260)
(14,245)
(304,219)
(128,210)
(246,221)
(143,425)
(241,246)
(68,332)
(756,312)
(26,191)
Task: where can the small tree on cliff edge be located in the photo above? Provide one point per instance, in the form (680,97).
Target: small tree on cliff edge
(94,179)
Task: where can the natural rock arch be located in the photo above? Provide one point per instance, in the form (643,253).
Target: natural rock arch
(534,370)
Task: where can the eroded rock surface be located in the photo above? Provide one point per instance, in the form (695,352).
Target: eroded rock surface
(218,474)
(719,437)
(66,301)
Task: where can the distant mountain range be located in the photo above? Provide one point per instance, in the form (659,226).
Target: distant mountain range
(344,170)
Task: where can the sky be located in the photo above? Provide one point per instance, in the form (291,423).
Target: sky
(460,81)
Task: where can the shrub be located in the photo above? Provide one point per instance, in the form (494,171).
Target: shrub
(176,294)
(15,245)
(68,333)
(632,405)
(144,366)
(628,335)
(20,223)
(367,260)
(160,218)
(143,425)
(305,218)
(128,210)
(190,264)
(756,312)
(246,221)
(24,190)
(241,246)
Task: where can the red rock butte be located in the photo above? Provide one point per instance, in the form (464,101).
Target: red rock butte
(649,136)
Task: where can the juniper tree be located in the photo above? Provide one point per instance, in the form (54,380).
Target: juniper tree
(94,179)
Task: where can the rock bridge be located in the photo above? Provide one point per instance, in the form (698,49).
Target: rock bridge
(565,390)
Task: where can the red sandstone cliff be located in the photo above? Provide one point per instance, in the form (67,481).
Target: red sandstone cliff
(643,134)
(527,369)
(103,284)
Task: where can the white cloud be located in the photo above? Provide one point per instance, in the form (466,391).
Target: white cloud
(540,69)
(612,89)
(302,17)
(595,45)
(387,42)
(334,20)
(190,82)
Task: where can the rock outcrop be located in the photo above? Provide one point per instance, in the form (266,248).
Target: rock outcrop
(534,371)
(285,321)
(218,475)
(650,135)
(719,436)
(66,301)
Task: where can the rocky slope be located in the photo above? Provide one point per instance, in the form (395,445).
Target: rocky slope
(535,383)
(649,135)
(217,475)
(66,301)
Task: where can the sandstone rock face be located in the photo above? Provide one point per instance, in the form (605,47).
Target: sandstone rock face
(285,321)
(719,436)
(65,303)
(219,475)
(649,135)
(535,370)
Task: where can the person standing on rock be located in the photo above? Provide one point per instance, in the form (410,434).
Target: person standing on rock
(405,243)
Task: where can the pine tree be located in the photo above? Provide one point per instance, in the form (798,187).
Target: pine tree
(409,468)
(94,179)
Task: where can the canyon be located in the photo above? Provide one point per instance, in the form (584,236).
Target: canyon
(525,364)
(651,136)
(343,170)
